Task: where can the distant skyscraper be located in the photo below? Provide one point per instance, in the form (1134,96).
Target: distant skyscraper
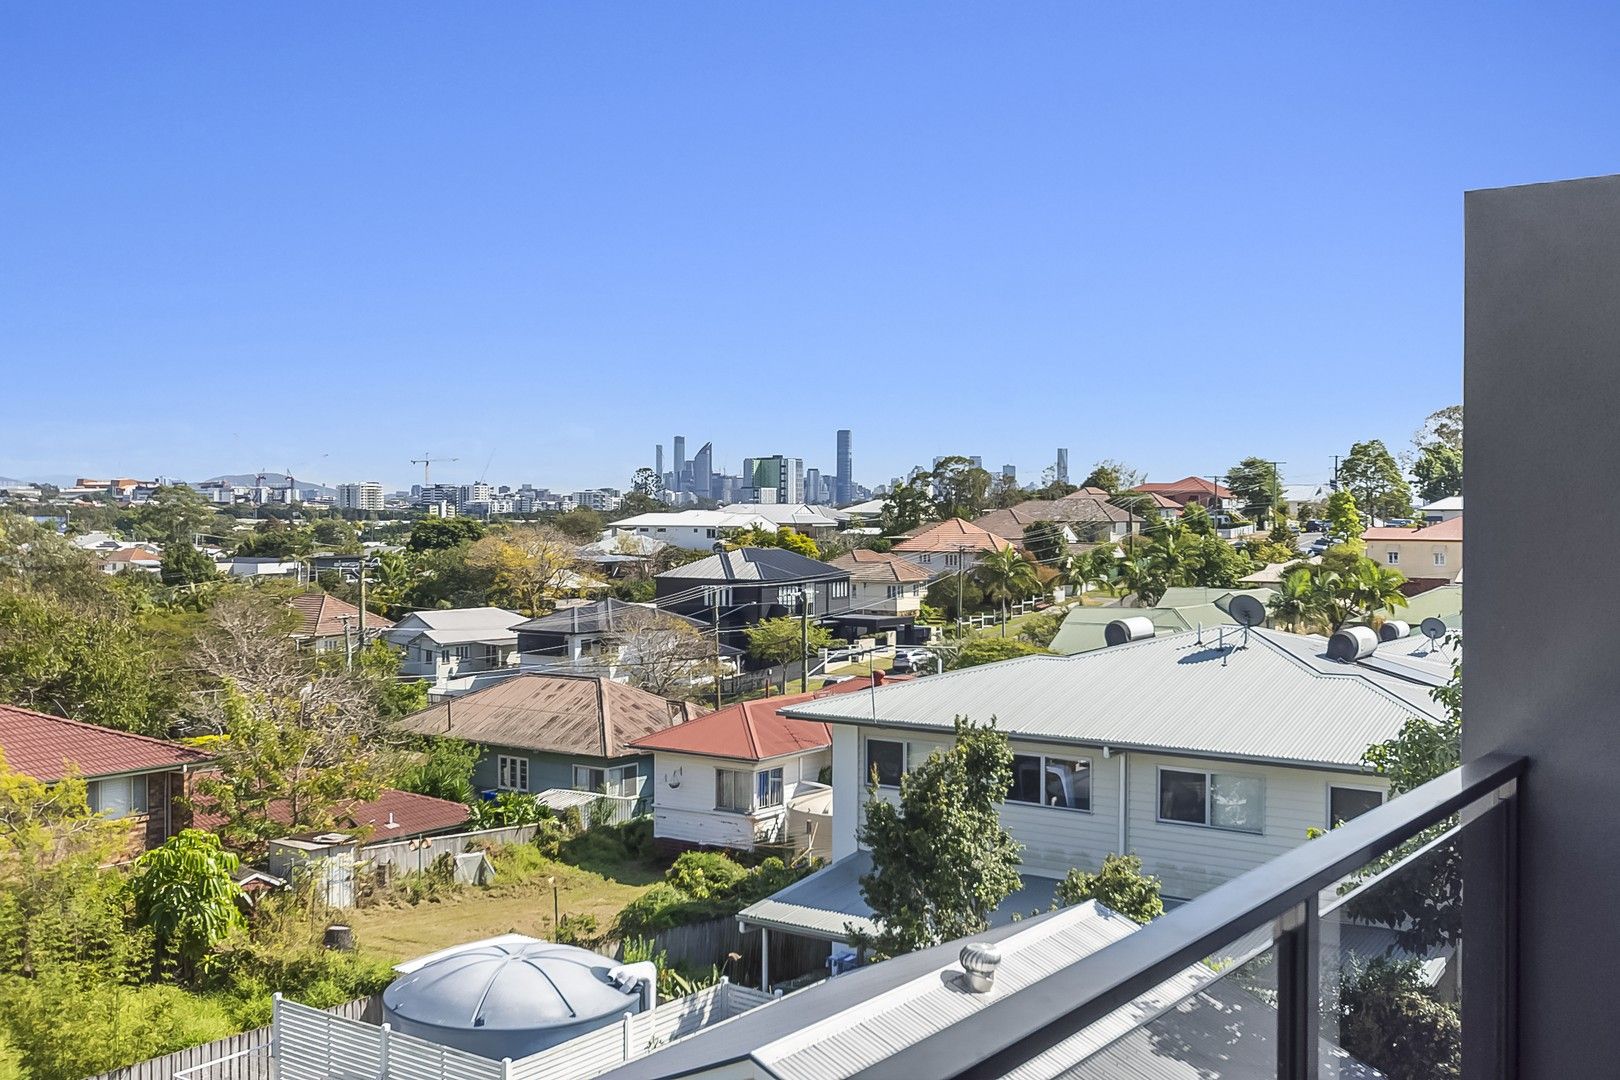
(843,489)
(1009,473)
(1062,466)
(774,479)
(703,472)
(658,461)
(680,462)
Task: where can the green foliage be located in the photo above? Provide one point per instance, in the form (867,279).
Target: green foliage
(1175,554)
(1045,542)
(275,539)
(725,890)
(11,1062)
(784,537)
(578,929)
(1112,476)
(634,590)
(378,665)
(1372,474)
(580,525)
(1344,588)
(1389,1020)
(988,650)
(1119,885)
(1438,471)
(335,534)
(962,489)
(442,768)
(185,565)
(778,641)
(1006,575)
(1256,485)
(1039,630)
(956,595)
(907,506)
(184,892)
(174,515)
(70,641)
(1343,515)
(941,858)
(506,809)
(437,534)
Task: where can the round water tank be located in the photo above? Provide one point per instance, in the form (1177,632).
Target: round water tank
(1352,643)
(1393,630)
(1134,628)
(503,1000)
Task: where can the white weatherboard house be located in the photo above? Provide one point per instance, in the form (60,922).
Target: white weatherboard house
(1205,755)
(446,646)
(695,530)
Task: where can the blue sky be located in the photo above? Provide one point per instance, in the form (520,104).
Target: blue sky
(541,238)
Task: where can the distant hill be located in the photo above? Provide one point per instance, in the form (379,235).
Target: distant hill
(271,479)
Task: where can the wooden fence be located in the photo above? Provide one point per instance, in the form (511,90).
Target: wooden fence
(245,1056)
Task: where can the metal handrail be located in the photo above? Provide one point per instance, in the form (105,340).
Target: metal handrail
(1003,1034)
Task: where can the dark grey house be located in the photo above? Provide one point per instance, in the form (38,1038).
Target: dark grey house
(603,638)
(745,587)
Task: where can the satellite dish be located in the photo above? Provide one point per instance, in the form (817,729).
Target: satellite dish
(1434,629)
(1247,611)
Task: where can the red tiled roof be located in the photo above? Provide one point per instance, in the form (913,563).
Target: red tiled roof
(1190,483)
(410,814)
(754,730)
(45,747)
(864,564)
(132,554)
(952,535)
(322,614)
(1443,531)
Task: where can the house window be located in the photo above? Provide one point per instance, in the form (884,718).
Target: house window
(768,788)
(887,758)
(840,589)
(1439,558)
(709,533)
(1393,558)
(1348,803)
(118,797)
(622,780)
(1051,781)
(714,595)
(512,773)
(895,590)
(788,596)
(953,561)
(733,790)
(1215,800)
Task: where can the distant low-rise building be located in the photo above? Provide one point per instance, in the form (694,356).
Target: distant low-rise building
(135,557)
(694,530)
(1429,556)
(446,647)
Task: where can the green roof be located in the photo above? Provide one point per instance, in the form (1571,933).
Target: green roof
(1180,609)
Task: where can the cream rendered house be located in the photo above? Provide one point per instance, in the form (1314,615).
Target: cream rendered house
(1433,554)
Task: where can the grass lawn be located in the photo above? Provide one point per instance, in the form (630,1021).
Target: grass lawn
(519,900)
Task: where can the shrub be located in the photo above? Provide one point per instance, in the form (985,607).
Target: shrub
(578,929)
(1119,885)
(507,809)
(988,650)
(702,874)
(442,769)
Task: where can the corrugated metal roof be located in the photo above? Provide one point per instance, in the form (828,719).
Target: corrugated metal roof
(1275,700)
(755,564)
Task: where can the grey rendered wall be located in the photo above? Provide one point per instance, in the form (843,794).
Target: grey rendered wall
(1542,387)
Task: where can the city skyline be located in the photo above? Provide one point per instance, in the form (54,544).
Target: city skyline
(271,273)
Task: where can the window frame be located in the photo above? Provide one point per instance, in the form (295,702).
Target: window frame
(1440,557)
(1392,557)
(905,761)
(766,783)
(1041,760)
(1383,797)
(134,784)
(720,775)
(521,767)
(594,789)
(1209,776)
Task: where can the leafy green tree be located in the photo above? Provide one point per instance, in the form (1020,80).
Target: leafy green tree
(646,483)
(1438,472)
(1344,515)
(183,564)
(941,858)
(1098,567)
(378,665)
(11,1062)
(907,506)
(779,641)
(785,538)
(1443,426)
(1112,476)
(443,768)
(1390,1020)
(1371,473)
(174,514)
(1257,487)
(1196,520)
(956,595)
(185,893)
(963,488)
(1006,574)
(445,578)
(1118,885)
(433,534)
(581,525)
(988,650)
(1045,542)
(336,534)
(1296,601)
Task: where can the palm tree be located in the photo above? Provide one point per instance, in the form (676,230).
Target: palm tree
(1296,601)
(1377,588)
(1005,574)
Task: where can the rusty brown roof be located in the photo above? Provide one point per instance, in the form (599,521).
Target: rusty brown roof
(582,715)
(321,615)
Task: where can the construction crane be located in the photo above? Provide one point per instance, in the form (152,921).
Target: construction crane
(426,461)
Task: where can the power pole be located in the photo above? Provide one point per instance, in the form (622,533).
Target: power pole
(362,599)
(804,640)
(717,680)
(960,567)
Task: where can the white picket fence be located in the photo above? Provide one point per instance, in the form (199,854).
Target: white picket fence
(308,1044)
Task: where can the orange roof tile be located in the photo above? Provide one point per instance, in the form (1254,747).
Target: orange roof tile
(952,535)
(49,747)
(322,615)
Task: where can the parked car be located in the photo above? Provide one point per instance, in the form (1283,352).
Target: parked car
(1316,525)
(912,661)
(1398,523)
(1321,545)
